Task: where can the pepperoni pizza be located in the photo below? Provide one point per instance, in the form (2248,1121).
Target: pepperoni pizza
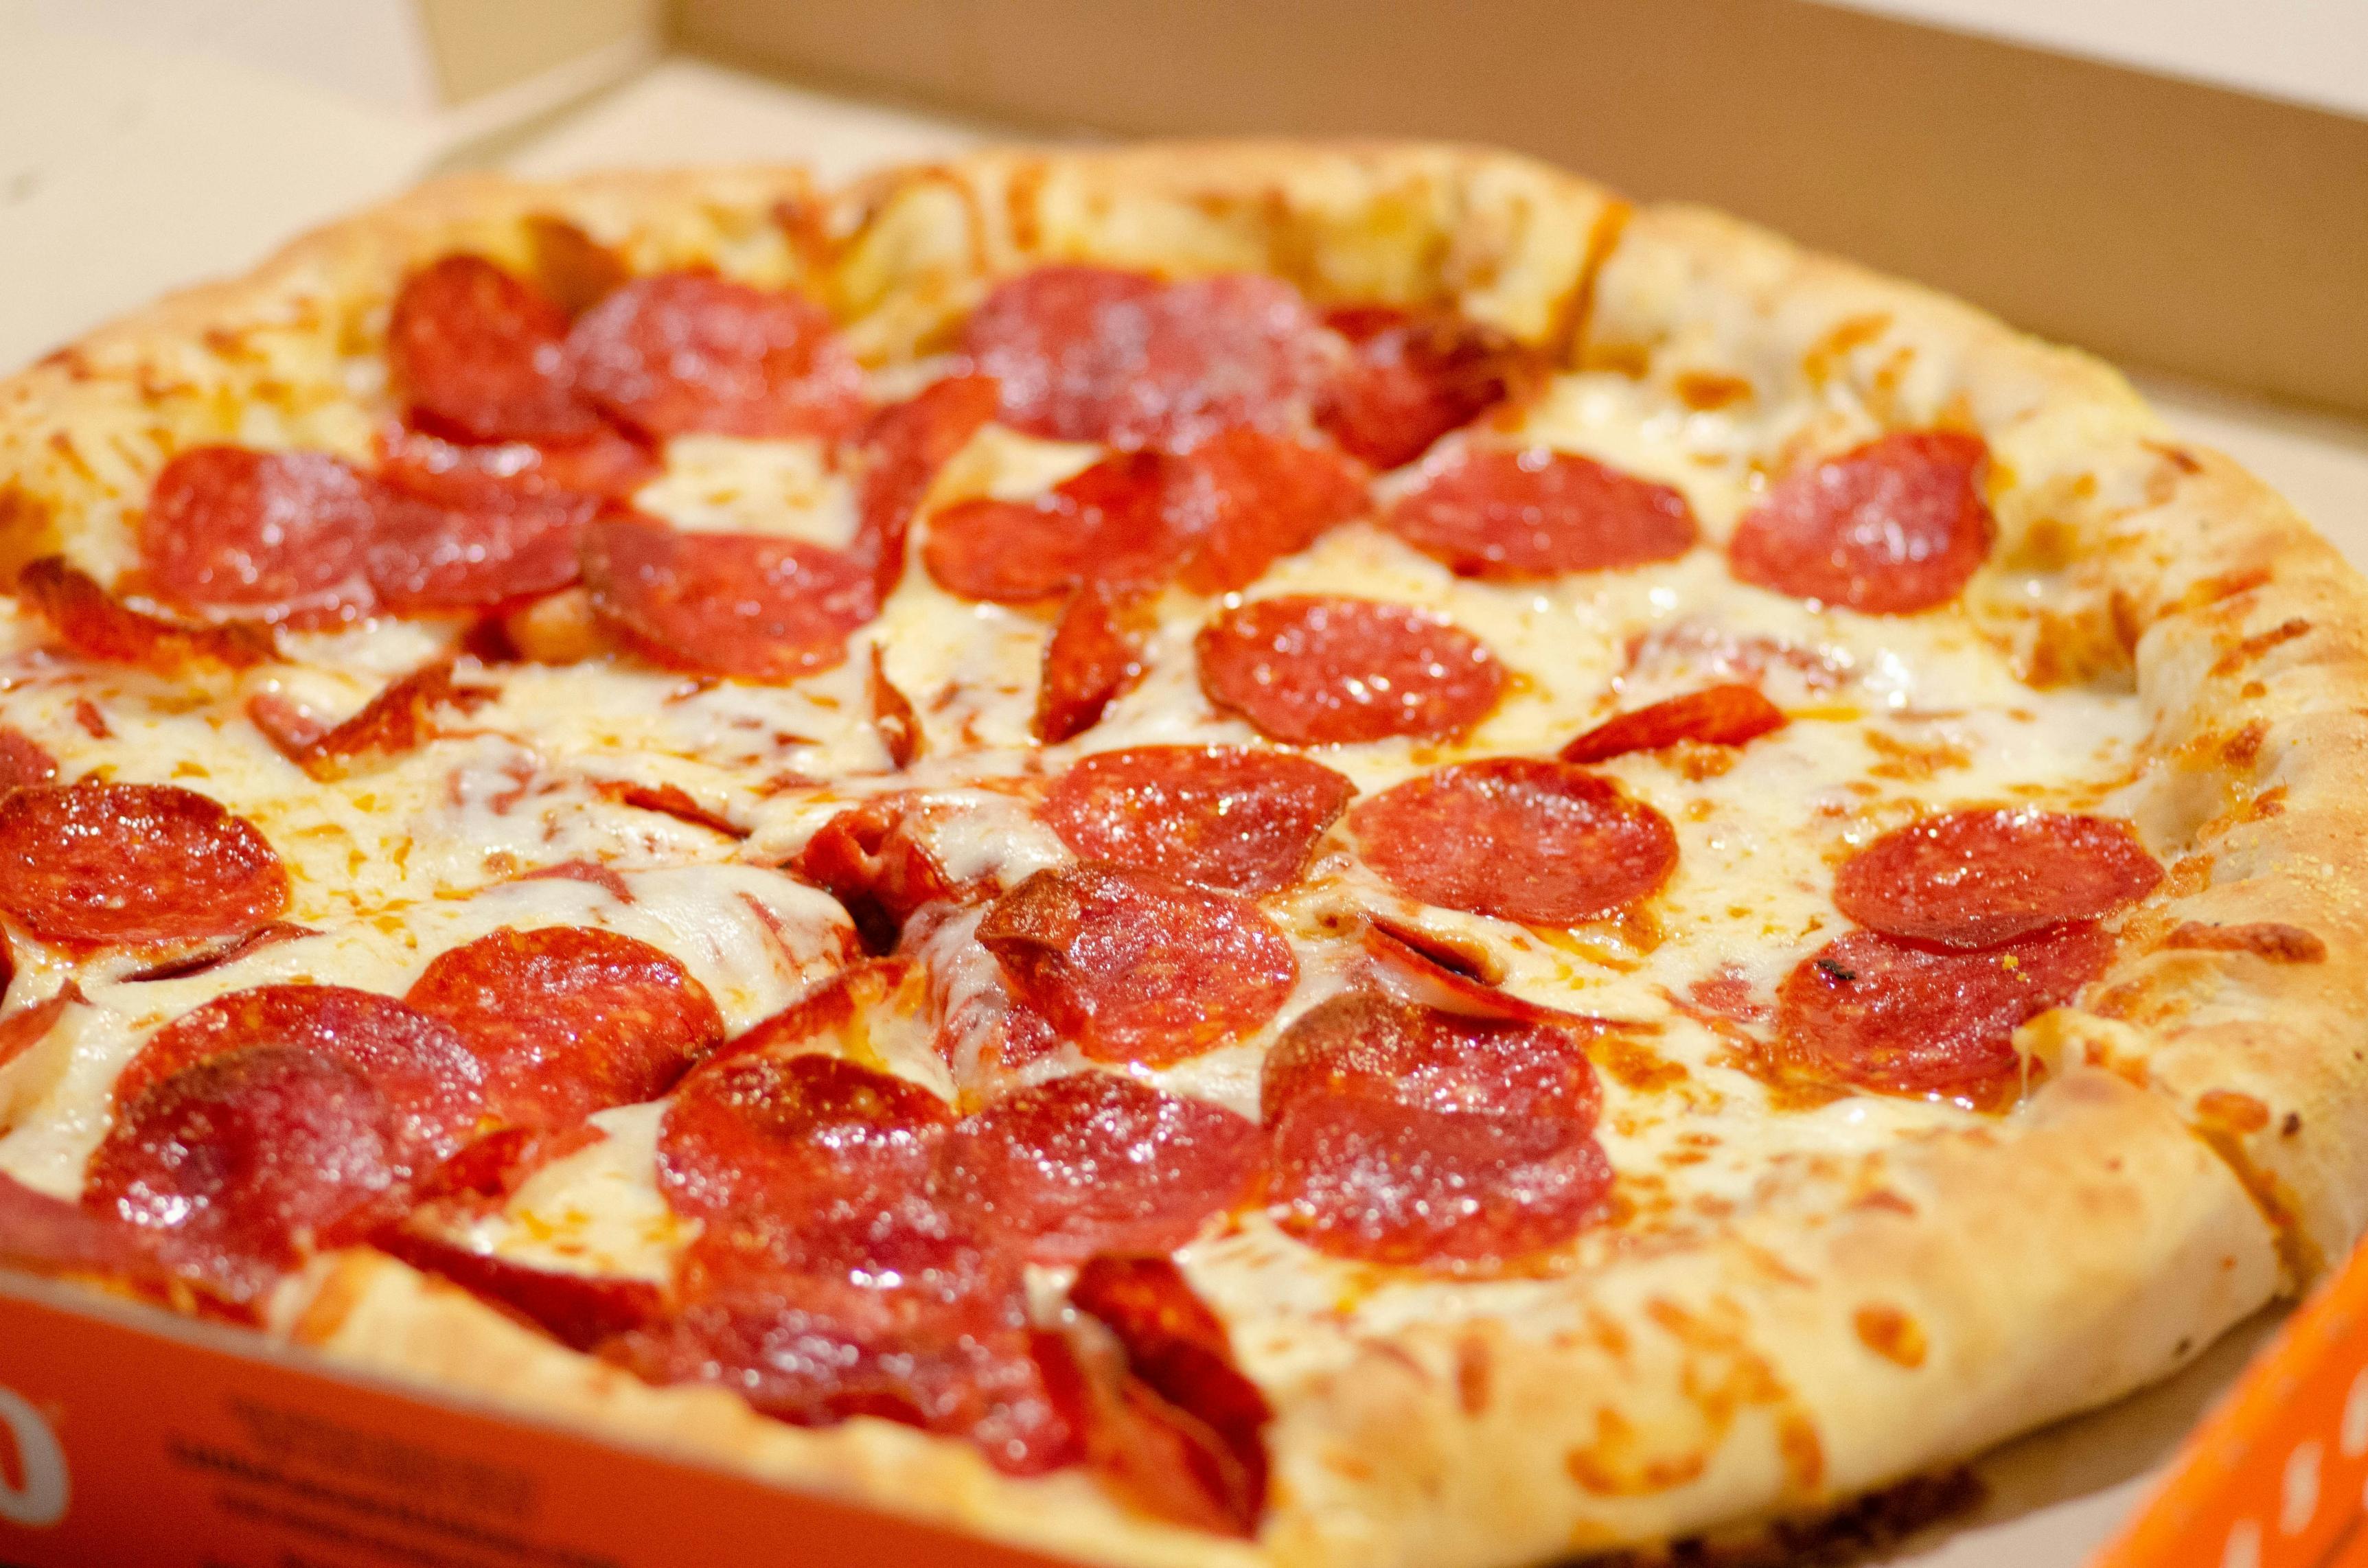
(1228,854)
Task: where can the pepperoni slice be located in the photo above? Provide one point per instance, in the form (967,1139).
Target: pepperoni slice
(1093,658)
(479,354)
(420,1066)
(1229,817)
(1135,966)
(1890,528)
(752,606)
(608,463)
(279,535)
(568,1020)
(1717,715)
(1407,1135)
(872,859)
(1096,1161)
(1518,839)
(480,545)
(681,352)
(1178,1353)
(1877,1013)
(23,760)
(580,1310)
(93,862)
(1092,354)
(1103,525)
(1245,498)
(1311,671)
(399,719)
(902,450)
(42,1235)
(94,623)
(1414,377)
(1974,879)
(1420,968)
(1512,517)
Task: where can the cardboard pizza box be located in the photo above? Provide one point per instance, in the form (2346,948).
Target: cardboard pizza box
(131,1436)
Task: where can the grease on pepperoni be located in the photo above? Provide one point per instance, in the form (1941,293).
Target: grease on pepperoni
(752,606)
(1135,966)
(23,760)
(1096,1161)
(1414,376)
(569,1020)
(1093,353)
(1093,658)
(1231,817)
(1974,879)
(904,447)
(93,862)
(1518,838)
(1718,715)
(609,463)
(1518,516)
(679,352)
(401,718)
(1877,1013)
(278,535)
(1890,527)
(478,353)
(94,624)
(474,545)
(1102,525)
(1245,498)
(1405,1135)
(1316,671)
(871,858)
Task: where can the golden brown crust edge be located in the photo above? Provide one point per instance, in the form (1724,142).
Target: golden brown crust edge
(1438,1491)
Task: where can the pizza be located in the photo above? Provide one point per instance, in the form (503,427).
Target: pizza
(1242,854)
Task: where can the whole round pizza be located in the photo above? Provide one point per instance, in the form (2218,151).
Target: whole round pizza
(1295,854)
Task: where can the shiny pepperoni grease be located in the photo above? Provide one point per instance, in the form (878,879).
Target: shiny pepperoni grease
(1717,715)
(1518,839)
(752,606)
(1974,879)
(1135,966)
(481,355)
(569,1020)
(1093,353)
(1320,671)
(1403,1134)
(1095,1162)
(680,352)
(1890,528)
(1518,516)
(132,863)
(1229,817)
(1413,377)
(1093,658)
(903,449)
(278,535)
(1873,1012)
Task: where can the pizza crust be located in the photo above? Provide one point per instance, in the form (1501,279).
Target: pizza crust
(1873,1316)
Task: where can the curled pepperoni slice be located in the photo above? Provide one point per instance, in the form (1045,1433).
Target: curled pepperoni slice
(43,1234)
(1414,377)
(421,1067)
(1518,839)
(1407,1135)
(1212,1471)
(871,858)
(1103,525)
(580,1310)
(752,606)
(1093,658)
(92,862)
(1311,671)
(401,718)
(1226,817)
(608,463)
(1978,878)
(1717,715)
(479,354)
(1245,498)
(568,1020)
(687,351)
(23,760)
(902,450)
(279,535)
(1091,354)
(482,546)
(1890,528)
(1134,967)
(1096,1161)
(1513,516)
(91,622)
(1872,1011)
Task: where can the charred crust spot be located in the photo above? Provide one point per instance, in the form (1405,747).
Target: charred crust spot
(2272,940)
(1835,972)
(2292,1125)
(2241,654)
(1890,1332)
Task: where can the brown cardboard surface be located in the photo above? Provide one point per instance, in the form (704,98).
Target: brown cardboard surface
(2209,232)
